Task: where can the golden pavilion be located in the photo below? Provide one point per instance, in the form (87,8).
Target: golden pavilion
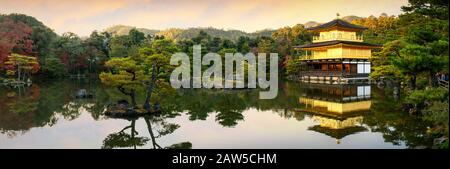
(338,109)
(338,54)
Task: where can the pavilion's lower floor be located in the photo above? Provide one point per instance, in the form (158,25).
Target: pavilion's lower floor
(335,71)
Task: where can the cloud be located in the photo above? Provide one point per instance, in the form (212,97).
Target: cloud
(82,17)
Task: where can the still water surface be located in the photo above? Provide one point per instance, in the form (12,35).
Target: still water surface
(47,115)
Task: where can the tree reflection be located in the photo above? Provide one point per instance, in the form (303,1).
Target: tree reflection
(165,128)
(396,126)
(227,104)
(18,109)
(122,139)
(45,104)
(157,127)
(42,105)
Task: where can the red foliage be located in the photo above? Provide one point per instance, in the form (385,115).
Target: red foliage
(81,63)
(14,36)
(35,91)
(5,48)
(64,57)
(36,68)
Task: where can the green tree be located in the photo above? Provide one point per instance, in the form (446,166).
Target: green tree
(293,67)
(149,69)
(119,46)
(382,61)
(287,37)
(266,46)
(242,45)
(226,43)
(136,37)
(72,52)
(382,29)
(157,60)
(97,50)
(431,8)
(126,74)
(53,67)
(412,61)
(437,113)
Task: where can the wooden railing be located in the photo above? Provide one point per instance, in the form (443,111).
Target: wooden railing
(443,83)
(317,39)
(321,73)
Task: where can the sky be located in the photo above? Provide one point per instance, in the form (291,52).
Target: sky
(84,16)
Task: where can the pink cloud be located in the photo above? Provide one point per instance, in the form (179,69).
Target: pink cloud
(82,17)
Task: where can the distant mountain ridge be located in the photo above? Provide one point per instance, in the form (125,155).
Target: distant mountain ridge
(124,30)
(180,34)
(349,18)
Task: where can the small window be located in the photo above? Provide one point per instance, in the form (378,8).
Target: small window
(339,35)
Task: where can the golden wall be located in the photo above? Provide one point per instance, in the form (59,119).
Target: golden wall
(341,52)
(338,124)
(338,108)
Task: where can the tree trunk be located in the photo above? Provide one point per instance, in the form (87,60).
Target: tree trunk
(133,130)
(413,82)
(150,89)
(133,98)
(150,130)
(18,73)
(433,80)
(132,95)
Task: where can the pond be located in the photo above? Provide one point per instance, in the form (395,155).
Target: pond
(48,115)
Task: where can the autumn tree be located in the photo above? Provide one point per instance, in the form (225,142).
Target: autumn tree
(287,37)
(382,29)
(70,49)
(14,37)
(21,66)
(41,35)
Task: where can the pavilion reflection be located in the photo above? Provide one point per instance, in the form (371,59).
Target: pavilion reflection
(338,109)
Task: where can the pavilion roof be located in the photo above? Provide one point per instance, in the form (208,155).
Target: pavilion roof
(337,133)
(337,23)
(336,42)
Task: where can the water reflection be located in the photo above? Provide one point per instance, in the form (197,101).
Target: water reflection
(156,126)
(302,116)
(42,104)
(339,109)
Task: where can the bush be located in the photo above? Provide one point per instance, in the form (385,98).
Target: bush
(426,96)
(443,145)
(388,72)
(53,67)
(437,113)
(421,82)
